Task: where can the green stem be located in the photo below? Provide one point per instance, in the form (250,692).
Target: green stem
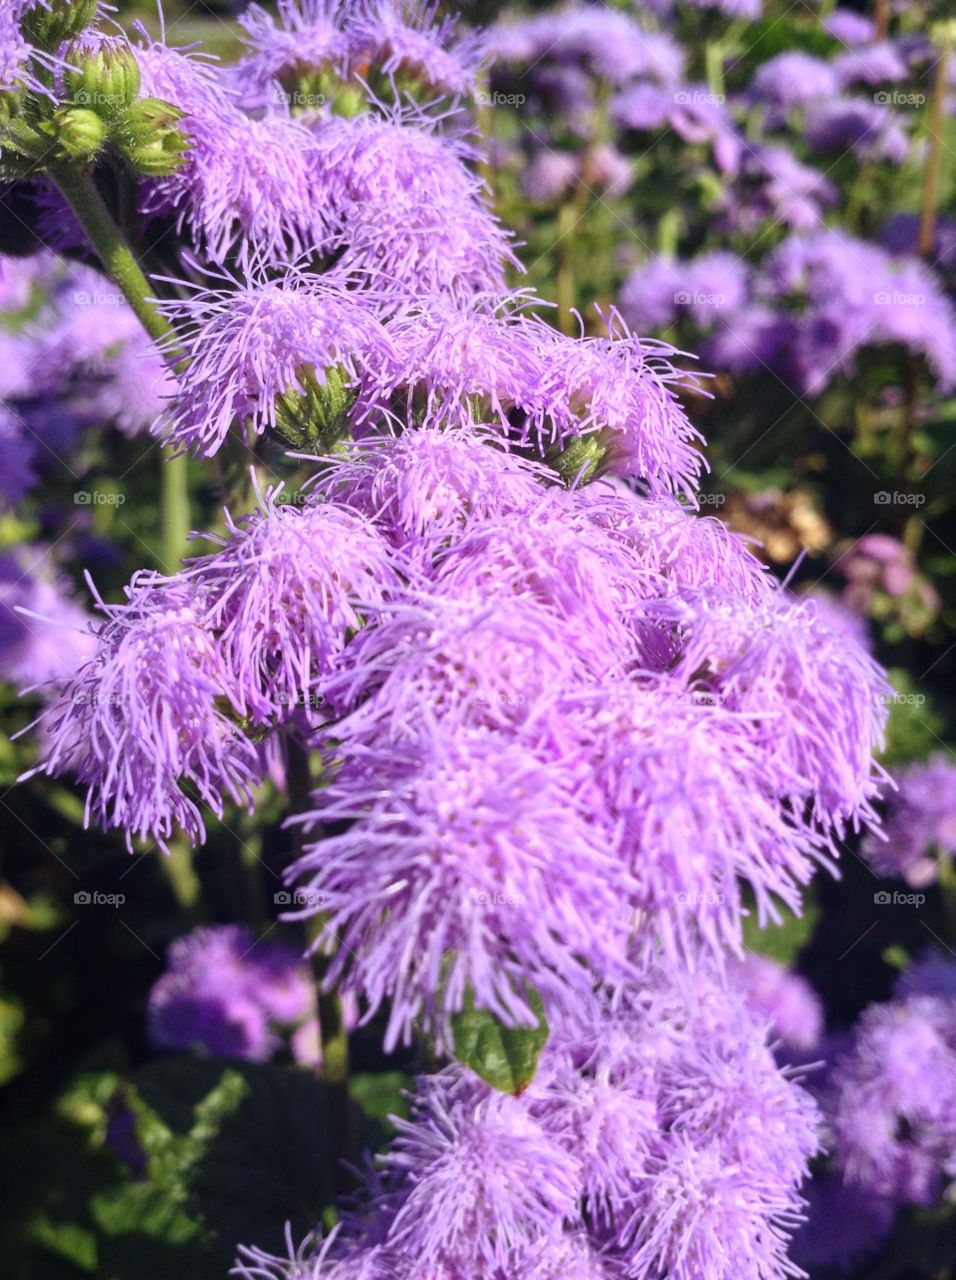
(174,503)
(81,193)
(120,263)
(714,65)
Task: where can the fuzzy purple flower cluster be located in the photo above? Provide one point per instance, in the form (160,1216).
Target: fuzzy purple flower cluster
(659,1137)
(225,991)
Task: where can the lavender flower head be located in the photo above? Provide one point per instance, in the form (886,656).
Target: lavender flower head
(891,1101)
(225,991)
(794,79)
(788,1003)
(410,216)
(44,634)
(143,718)
(920,828)
(407,40)
(266,343)
(639,1104)
(285,590)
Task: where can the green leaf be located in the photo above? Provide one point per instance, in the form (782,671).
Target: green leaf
(785,941)
(505,1057)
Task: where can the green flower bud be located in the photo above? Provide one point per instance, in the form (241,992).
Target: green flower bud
(49,26)
(148,136)
(582,461)
(106,82)
(80,133)
(317,417)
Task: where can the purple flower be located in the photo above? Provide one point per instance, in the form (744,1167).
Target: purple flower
(848,27)
(44,634)
(666,539)
(819,702)
(648,298)
(272,973)
(251,345)
(624,389)
(246,184)
(480,1178)
(783,189)
(424,486)
(143,718)
(470,854)
(920,827)
(546,389)
(411,217)
(847,294)
(870,129)
(891,1101)
(406,39)
(660,1111)
(226,991)
(643,107)
(285,591)
(611,44)
(205,1011)
(550,175)
(793,79)
(306,36)
(784,1000)
(870,64)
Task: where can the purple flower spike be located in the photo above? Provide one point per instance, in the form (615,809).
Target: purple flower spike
(251,345)
(142,720)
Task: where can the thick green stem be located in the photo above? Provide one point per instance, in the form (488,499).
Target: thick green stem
(174,489)
(120,263)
